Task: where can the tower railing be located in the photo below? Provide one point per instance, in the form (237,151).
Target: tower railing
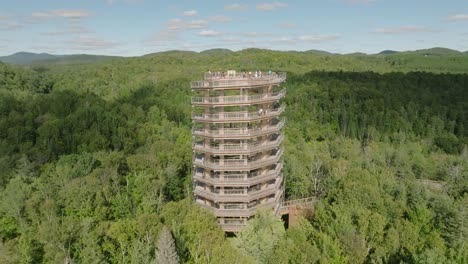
(238,180)
(241,196)
(234,99)
(219,212)
(238,80)
(238,116)
(238,148)
(240,212)
(241,131)
(237,183)
(241,164)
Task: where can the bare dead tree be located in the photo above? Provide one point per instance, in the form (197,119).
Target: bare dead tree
(316,171)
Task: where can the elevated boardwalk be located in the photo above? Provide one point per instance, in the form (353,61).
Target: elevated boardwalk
(291,209)
(308,202)
(295,208)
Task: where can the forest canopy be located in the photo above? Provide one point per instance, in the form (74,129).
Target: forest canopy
(95,161)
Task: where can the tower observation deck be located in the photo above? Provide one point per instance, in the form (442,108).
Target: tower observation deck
(237,144)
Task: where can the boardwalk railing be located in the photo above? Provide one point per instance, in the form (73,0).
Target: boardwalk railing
(303,201)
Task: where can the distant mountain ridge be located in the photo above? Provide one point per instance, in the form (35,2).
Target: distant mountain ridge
(356,54)
(436,51)
(25,58)
(387,52)
(216,51)
(320,52)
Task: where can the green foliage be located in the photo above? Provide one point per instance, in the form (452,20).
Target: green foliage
(96,158)
(260,237)
(198,236)
(296,246)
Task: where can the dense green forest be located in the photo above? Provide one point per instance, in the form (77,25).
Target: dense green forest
(95,161)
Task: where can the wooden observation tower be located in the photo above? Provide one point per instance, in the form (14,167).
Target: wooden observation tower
(237,144)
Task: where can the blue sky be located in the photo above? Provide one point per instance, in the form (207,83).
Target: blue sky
(137,27)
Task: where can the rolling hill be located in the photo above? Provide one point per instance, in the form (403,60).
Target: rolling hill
(24,58)
(387,52)
(436,51)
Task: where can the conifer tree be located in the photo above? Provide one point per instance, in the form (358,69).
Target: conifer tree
(166,250)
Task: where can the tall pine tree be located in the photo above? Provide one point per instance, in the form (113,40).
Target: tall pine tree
(166,250)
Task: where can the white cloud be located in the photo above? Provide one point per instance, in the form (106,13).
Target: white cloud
(403,29)
(190,13)
(360,1)
(197,24)
(307,39)
(172,35)
(85,42)
(111,2)
(255,34)
(11,26)
(235,7)
(71,30)
(41,15)
(179,24)
(209,33)
(287,25)
(163,38)
(45,48)
(285,40)
(271,6)
(3,17)
(169,36)
(175,24)
(458,17)
(220,19)
(72,14)
(230,41)
(317,38)
(133,1)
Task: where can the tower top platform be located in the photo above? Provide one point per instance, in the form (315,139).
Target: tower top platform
(233,79)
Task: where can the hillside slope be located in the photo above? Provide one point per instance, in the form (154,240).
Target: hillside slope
(25,58)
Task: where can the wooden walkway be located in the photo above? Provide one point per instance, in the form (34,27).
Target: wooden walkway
(298,207)
(303,202)
(297,203)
